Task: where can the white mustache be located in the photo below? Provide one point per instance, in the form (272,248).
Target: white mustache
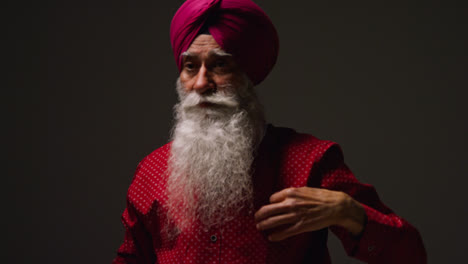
(193,99)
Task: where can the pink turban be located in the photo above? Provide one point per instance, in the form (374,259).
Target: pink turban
(240,27)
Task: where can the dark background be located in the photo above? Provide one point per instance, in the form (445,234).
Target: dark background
(90,88)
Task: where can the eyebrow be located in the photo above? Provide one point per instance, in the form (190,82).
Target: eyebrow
(218,52)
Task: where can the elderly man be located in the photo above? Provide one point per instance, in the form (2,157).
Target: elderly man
(229,188)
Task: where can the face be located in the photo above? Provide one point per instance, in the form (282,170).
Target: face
(207,68)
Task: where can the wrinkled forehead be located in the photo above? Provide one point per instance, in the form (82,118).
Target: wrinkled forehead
(204,45)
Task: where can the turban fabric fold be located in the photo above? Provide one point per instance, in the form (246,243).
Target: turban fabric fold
(240,27)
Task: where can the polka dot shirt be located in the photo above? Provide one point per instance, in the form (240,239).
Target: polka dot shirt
(285,159)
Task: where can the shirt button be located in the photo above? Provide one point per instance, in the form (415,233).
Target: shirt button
(370,248)
(213,238)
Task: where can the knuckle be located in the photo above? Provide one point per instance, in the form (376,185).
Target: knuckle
(290,192)
(295,215)
(290,203)
(341,197)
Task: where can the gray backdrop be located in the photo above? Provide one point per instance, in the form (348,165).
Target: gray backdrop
(90,92)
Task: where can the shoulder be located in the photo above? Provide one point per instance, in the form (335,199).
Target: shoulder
(153,165)
(299,144)
(148,182)
(156,161)
(300,153)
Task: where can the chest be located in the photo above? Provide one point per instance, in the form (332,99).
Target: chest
(238,241)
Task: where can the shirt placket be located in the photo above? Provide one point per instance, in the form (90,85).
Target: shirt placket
(213,242)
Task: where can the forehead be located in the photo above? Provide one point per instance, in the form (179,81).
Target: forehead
(203,44)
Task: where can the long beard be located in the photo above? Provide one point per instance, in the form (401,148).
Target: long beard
(210,179)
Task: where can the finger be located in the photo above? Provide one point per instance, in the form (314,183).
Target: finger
(298,228)
(277,220)
(271,210)
(285,233)
(283,194)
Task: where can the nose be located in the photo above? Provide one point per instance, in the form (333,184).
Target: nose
(203,81)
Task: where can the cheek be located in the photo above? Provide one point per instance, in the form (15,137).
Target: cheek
(183,76)
(185,80)
(228,79)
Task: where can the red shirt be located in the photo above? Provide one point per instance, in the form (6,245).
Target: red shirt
(285,159)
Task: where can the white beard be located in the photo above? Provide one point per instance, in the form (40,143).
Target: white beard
(210,179)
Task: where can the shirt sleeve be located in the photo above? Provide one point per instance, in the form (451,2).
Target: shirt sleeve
(136,247)
(386,238)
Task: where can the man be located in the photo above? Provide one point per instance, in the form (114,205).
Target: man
(231,189)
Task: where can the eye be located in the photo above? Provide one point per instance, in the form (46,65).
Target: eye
(220,64)
(189,66)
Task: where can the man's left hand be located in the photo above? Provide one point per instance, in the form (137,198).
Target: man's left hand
(296,210)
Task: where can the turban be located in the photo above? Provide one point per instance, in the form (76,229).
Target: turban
(240,27)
